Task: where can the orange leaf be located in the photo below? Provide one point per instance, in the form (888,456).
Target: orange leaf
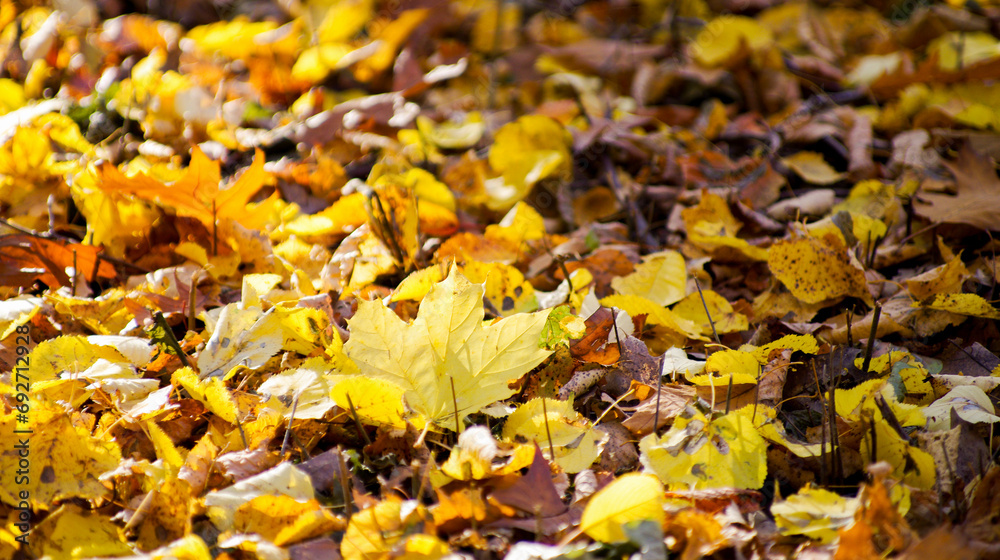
(24,259)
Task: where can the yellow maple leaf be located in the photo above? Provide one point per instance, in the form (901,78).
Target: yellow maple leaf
(446,347)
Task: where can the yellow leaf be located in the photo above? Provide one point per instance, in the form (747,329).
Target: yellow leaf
(240,337)
(340,20)
(576,442)
(486,28)
(72,532)
(70,354)
(64,460)
(165,449)
(315,63)
(389,40)
(815,269)
(655,313)
(630,497)
(219,266)
(446,346)
(521,223)
(910,465)
(424,547)
(284,479)
(272,515)
(964,304)
(696,451)
(944,279)
(339,219)
(812,168)
(451,135)
(815,513)
(418,283)
(310,384)
(720,365)
(713,209)
(872,198)
(241,38)
(805,343)
(301,327)
(376,402)
(190,547)
(311,524)
(506,288)
(372,533)
(961,49)
(858,401)
(661,278)
(11,95)
(721,312)
(725,38)
(530,149)
(211,392)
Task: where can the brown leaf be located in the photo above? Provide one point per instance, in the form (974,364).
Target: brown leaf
(981,523)
(634,364)
(26,258)
(673,399)
(534,493)
(977,200)
(772,381)
(594,346)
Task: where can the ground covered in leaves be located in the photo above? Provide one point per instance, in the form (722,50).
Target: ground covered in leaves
(499,279)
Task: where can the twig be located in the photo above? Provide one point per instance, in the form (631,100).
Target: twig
(357,420)
(345,486)
(707,313)
(871,339)
(454,402)
(288,429)
(548,433)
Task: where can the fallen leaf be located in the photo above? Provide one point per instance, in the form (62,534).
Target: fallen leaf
(696,451)
(629,498)
(977,200)
(812,168)
(815,269)
(451,358)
